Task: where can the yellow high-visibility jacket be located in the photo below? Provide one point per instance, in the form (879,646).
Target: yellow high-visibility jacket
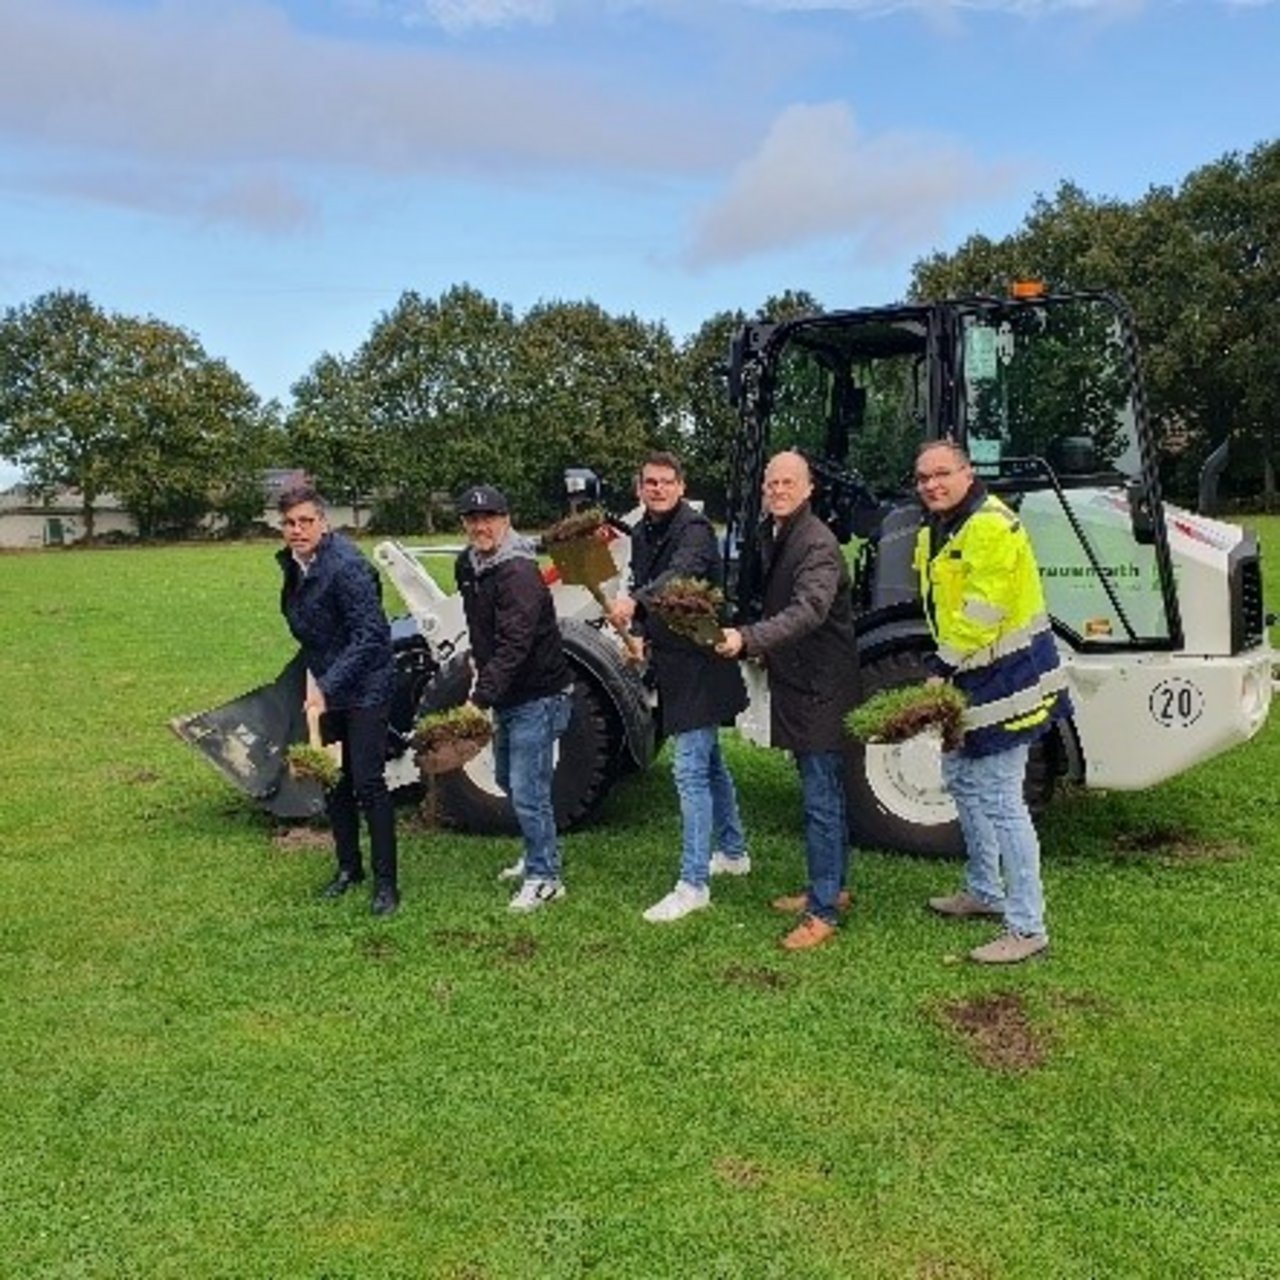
(981,591)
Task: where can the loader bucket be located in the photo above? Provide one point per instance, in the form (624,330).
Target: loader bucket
(246,740)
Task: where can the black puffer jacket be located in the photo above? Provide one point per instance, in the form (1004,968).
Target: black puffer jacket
(696,689)
(511,619)
(335,613)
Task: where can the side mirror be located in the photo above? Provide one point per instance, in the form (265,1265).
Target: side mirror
(1141,519)
(581,488)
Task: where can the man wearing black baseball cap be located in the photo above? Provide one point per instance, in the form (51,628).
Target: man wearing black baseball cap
(521,675)
(482,500)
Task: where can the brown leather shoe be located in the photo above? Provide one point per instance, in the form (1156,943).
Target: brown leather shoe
(791,904)
(812,931)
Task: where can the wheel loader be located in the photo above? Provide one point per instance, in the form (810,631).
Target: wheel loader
(1157,610)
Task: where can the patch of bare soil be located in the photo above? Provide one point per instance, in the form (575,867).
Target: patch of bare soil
(301,839)
(996,1031)
(754,978)
(376,947)
(1173,847)
(138,777)
(734,1171)
(519,949)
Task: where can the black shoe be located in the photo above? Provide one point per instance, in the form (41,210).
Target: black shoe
(386,900)
(341,883)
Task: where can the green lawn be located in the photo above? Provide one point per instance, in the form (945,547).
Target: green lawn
(206,1072)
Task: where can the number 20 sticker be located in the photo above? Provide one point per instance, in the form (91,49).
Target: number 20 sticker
(1176,703)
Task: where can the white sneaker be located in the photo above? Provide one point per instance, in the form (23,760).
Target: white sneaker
(722,864)
(535,894)
(514,872)
(683,899)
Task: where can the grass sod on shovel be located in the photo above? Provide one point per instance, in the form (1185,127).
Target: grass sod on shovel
(446,740)
(894,715)
(313,758)
(691,608)
(306,761)
(582,559)
(443,742)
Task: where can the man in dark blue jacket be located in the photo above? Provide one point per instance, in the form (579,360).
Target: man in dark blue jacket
(331,601)
(521,675)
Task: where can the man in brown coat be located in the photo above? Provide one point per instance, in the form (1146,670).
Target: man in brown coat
(805,639)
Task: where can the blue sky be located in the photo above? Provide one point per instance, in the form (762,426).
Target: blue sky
(272,174)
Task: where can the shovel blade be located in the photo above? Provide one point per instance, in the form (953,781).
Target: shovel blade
(583,562)
(246,740)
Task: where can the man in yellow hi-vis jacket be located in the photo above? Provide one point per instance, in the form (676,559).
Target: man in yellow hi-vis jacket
(982,596)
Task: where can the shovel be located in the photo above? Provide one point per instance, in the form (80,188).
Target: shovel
(583,560)
(332,749)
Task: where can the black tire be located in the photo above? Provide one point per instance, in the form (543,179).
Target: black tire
(896,798)
(471,801)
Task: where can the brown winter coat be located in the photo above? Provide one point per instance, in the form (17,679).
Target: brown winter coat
(805,635)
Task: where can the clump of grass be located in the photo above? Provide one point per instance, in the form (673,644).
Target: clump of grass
(691,608)
(446,740)
(894,715)
(306,761)
(581,524)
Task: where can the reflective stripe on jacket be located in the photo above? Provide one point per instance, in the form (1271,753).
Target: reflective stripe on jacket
(982,596)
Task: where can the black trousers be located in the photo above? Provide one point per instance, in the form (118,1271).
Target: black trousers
(362,731)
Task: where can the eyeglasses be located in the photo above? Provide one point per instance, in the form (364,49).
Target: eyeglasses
(944,473)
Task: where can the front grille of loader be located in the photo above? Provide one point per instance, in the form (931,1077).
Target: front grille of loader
(1248,627)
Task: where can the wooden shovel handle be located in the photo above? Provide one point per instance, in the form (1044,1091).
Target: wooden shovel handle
(633,644)
(313,726)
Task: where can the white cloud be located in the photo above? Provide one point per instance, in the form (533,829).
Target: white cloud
(814,178)
(213,96)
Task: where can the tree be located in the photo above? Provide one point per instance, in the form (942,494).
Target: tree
(331,433)
(1200,267)
(57,359)
(589,389)
(437,375)
(193,435)
(108,403)
(709,423)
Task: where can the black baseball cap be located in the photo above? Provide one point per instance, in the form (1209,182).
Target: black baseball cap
(482,499)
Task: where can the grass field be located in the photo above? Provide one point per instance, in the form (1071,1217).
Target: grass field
(208,1073)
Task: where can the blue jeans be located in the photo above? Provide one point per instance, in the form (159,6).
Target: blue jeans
(708,803)
(999,836)
(826,829)
(524,742)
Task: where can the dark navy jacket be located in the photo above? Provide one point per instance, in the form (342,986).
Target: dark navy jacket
(335,614)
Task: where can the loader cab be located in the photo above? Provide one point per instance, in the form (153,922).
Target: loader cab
(1045,393)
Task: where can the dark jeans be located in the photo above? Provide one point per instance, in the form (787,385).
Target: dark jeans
(363,734)
(826,829)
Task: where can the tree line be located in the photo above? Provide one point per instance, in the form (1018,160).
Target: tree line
(448,390)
